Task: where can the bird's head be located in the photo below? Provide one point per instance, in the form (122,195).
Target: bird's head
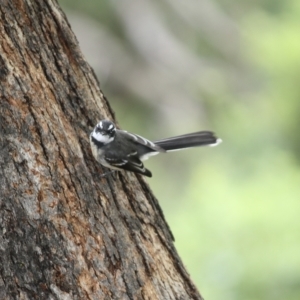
(104,132)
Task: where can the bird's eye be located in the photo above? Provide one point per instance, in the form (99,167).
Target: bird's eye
(112,132)
(101,131)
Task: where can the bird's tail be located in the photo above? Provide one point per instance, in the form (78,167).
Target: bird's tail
(196,139)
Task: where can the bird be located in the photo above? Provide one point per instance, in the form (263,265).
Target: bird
(120,150)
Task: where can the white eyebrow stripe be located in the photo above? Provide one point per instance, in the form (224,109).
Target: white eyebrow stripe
(110,126)
(101,125)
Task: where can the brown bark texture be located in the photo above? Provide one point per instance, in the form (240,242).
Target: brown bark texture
(66,232)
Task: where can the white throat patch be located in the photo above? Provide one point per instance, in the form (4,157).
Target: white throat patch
(105,139)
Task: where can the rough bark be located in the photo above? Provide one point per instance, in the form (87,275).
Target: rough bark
(65,232)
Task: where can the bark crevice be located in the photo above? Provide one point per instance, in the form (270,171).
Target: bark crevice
(67,232)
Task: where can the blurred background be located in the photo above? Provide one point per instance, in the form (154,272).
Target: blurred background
(170,67)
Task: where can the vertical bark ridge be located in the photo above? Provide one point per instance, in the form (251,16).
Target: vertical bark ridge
(67,233)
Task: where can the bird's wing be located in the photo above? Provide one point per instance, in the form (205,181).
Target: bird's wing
(130,162)
(142,141)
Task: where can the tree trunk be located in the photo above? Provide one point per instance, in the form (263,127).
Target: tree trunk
(66,232)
